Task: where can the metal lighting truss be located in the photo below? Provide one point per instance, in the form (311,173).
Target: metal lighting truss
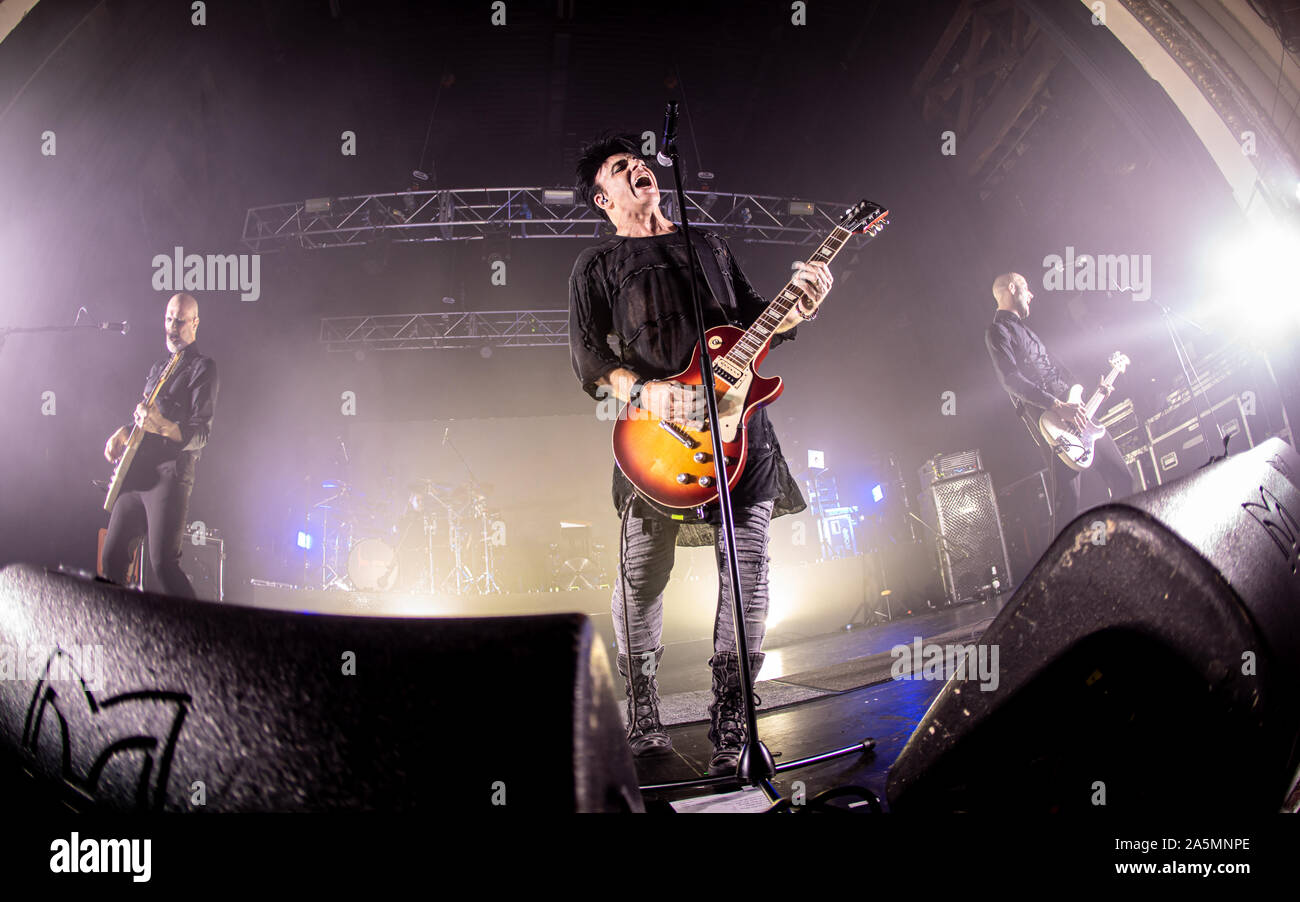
(420,331)
(469,214)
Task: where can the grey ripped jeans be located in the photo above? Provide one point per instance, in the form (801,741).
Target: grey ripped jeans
(648,547)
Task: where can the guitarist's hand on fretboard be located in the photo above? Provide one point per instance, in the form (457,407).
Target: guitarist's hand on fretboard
(116,443)
(150,419)
(816,280)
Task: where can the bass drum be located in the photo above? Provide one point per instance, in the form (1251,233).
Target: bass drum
(373,564)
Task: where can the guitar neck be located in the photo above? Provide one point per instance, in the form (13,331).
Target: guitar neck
(758,335)
(134,440)
(1098,396)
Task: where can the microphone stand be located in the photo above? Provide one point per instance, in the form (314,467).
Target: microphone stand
(1192,377)
(6,331)
(755,765)
(945,545)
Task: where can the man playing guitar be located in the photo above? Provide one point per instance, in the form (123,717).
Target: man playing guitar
(155,495)
(1037,381)
(630,326)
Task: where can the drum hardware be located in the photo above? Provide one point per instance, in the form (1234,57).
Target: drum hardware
(467,504)
(333,514)
(486,583)
(575,561)
(372,564)
(364,547)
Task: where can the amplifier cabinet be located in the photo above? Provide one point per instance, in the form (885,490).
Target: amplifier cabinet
(1179,450)
(204,563)
(965,512)
(947,465)
(203,558)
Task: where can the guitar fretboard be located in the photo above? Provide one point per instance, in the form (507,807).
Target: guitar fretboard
(734,363)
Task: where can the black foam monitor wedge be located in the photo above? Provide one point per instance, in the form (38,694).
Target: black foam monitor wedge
(1149,662)
(135,702)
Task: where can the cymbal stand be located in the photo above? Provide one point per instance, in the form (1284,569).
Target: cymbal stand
(460,576)
(430,530)
(330,575)
(487,581)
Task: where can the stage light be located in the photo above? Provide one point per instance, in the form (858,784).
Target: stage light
(877,493)
(304,540)
(1254,279)
(801,208)
(317,205)
(816,460)
(558,198)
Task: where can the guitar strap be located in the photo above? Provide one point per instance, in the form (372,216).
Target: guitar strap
(719,286)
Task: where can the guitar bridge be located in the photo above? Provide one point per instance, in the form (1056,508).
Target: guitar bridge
(678,434)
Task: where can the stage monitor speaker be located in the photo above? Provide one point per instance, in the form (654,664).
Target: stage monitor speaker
(964,510)
(123,701)
(1147,663)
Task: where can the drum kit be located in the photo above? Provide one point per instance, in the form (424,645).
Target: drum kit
(442,541)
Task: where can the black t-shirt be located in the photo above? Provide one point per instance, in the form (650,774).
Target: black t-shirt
(630,307)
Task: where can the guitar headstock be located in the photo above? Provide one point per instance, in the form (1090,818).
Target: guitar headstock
(1118,361)
(865,216)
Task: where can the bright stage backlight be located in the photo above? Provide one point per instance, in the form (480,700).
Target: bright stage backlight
(877,494)
(1254,278)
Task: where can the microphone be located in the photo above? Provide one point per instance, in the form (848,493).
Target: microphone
(109,327)
(1078,261)
(670,134)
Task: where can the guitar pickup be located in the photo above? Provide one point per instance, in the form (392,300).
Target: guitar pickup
(678,434)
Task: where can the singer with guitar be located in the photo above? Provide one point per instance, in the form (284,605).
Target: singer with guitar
(156,455)
(630,329)
(1037,382)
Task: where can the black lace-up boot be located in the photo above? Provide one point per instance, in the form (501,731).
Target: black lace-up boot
(645,734)
(727,729)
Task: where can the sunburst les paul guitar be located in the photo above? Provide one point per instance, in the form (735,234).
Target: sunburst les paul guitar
(137,435)
(1076,449)
(672,466)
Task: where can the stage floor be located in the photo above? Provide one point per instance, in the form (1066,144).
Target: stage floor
(833,691)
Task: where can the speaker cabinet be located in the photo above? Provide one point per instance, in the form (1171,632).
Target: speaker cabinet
(964,510)
(1149,662)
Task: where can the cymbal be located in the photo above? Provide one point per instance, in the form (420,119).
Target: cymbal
(466,495)
(424,484)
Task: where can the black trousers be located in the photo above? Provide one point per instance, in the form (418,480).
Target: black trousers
(156,503)
(1107,465)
